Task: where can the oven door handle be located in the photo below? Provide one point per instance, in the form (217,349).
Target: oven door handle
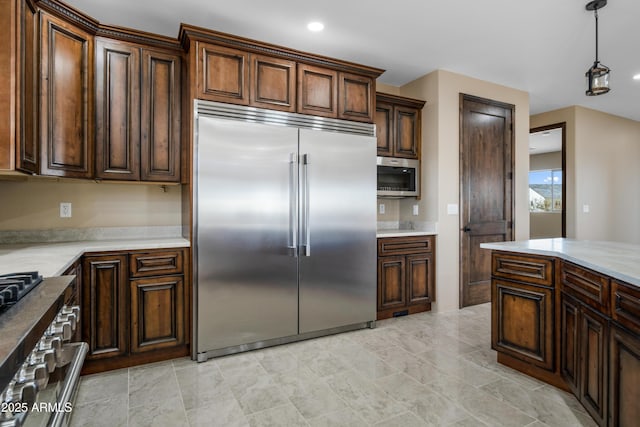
(70,384)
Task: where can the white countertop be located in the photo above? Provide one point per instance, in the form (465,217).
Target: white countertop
(403,233)
(52,259)
(614,259)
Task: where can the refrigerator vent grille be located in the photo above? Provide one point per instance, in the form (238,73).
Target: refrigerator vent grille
(259,115)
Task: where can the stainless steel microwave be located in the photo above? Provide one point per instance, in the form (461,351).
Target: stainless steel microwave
(398,177)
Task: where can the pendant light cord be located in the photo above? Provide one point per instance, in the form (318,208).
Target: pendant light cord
(596,14)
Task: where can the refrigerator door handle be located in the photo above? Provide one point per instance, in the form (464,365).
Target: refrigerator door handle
(306,230)
(292,243)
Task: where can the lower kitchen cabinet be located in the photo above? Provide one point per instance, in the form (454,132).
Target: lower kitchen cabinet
(157,313)
(135,308)
(406,275)
(624,378)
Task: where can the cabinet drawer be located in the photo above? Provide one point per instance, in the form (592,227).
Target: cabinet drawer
(404,245)
(625,305)
(156,263)
(587,286)
(527,269)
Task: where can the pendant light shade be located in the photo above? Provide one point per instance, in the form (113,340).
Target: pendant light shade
(598,74)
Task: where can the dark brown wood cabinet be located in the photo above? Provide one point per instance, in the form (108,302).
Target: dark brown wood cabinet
(624,378)
(135,307)
(66,99)
(222,74)
(137,112)
(317,91)
(597,327)
(273,83)
(104,307)
(406,275)
(355,97)
(398,126)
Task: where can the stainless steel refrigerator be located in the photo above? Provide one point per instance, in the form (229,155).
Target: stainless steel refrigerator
(284,227)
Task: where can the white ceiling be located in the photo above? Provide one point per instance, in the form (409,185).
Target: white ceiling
(543,47)
(547,141)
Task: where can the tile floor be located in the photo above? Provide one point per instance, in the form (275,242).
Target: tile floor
(422,370)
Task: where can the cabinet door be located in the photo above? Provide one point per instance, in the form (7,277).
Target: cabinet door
(384,129)
(75,295)
(104,308)
(407,133)
(624,378)
(420,279)
(569,343)
(28,151)
(160,112)
(356,100)
(223,74)
(522,322)
(273,83)
(391,282)
(66,108)
(157,313)
(117,110)
(594,341)
(317,91)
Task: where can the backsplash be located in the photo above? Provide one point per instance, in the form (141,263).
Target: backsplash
(85,234)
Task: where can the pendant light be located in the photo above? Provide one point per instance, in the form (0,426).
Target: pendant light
(598,74)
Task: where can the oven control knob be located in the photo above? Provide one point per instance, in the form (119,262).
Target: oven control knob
(71,309)
(68,317)
(37,373)
(62,329)
(25,392)
(50,342)
(48,357)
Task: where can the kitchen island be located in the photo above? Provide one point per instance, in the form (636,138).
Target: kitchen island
(568,313)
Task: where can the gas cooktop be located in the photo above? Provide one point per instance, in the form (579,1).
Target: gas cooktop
(15,286)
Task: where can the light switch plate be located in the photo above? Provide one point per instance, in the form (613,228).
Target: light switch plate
(381,209)
(585,208)
(452,209)
(416,210)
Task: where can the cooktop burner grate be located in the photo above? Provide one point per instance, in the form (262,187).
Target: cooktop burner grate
(14,286)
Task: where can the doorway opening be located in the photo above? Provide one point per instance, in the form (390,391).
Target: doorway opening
(547,181)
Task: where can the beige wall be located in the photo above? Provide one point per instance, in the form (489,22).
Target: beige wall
(545,161)
(34,204)
(440,166)
(602,172)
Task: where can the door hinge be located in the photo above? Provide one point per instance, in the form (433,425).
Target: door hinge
(509,175)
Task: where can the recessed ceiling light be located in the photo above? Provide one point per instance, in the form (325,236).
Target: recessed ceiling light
(636,77)
(315,26)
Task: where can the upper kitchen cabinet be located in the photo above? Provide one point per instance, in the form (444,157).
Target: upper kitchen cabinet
(66,99)
(137,112)
(398,126)
(231,69)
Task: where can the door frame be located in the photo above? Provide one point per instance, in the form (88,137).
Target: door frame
(563,127)
(461,221)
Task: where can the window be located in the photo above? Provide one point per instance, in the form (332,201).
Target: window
(545,190)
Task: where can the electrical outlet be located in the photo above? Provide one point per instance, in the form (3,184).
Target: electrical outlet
(381,208)
(65,210)
(416,210)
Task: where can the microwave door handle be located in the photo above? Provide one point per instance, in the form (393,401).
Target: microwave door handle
(306,229)
(292,238)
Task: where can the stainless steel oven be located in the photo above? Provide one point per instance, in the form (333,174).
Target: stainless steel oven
(398,177)
(40,362)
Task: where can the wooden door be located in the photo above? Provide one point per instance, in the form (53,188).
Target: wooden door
(420,279)
(117,110)
(104,308)
(486,190)
(160,117)
(66,107)
(355,97)
(624,378)
(594,348)
(391,282)
(157,313)
(569,343)
(317,91)
(273,83)
(406,141)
